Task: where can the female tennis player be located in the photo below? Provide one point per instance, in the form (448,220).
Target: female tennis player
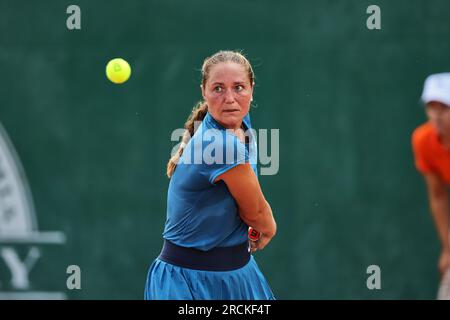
(431,145)
(212,202)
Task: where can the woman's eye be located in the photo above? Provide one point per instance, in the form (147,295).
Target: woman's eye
(218,89)
(239,88)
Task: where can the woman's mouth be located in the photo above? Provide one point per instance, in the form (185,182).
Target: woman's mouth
(230,110)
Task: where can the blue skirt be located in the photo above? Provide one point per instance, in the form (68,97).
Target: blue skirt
(166,281)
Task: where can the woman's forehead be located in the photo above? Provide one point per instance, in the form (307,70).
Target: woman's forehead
(228,72)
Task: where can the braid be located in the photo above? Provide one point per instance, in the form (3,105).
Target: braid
(198,114)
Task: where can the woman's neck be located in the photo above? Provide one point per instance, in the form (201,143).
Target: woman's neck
(234,127)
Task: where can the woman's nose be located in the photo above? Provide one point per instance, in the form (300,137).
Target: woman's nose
(229,96)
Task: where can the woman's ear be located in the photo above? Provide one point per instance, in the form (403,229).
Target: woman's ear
(203,92)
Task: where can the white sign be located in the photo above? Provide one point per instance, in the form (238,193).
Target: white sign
(18,225)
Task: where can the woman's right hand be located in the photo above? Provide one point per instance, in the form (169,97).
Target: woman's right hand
(444,261)
(260,244)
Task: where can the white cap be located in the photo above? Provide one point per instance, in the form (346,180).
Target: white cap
(437,88)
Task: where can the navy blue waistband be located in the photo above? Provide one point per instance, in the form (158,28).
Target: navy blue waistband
(216,259)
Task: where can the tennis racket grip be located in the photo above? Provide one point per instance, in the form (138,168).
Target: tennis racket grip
(253,234)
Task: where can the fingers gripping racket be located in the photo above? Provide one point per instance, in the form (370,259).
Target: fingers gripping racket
(253,235)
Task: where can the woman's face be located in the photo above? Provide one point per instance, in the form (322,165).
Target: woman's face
(439,116)
(228,93)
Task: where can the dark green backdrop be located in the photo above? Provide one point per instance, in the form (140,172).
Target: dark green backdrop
(345,99)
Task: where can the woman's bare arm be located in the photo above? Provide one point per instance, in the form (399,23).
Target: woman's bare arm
(254,210)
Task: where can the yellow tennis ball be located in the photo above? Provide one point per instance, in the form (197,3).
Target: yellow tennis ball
(118,70)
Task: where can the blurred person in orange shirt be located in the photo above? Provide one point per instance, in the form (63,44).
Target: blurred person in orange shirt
(431,147)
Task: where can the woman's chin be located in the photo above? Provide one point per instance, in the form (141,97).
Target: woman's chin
(231,120)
